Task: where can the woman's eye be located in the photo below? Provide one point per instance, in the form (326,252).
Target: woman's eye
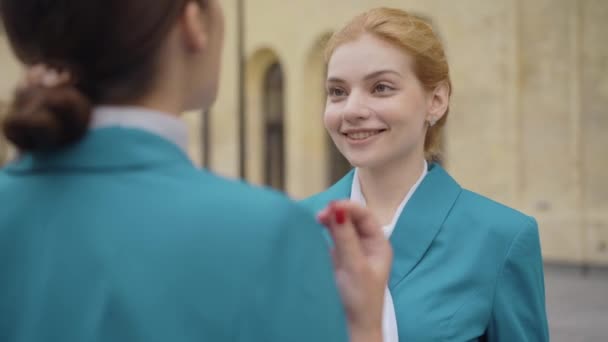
(382,88)
(336,92)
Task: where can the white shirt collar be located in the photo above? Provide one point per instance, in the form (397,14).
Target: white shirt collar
(162,124)
(389,319)
(357,196)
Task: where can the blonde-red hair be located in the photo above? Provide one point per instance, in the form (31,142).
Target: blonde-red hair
(417,37)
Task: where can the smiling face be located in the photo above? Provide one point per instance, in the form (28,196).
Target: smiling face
(376,107)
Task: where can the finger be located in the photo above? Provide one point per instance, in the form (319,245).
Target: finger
(364,221)
(323,217)
(323,221)
(375,246)
(347,247)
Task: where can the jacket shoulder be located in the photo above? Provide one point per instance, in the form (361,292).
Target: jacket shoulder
(315,202)
(494,216)
(338,191)
(248,202)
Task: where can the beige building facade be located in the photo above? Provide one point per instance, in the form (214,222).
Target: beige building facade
(528,122)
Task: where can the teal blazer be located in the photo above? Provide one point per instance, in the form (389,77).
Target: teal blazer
(465,268)
(121,238)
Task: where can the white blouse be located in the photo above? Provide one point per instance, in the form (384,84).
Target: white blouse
(167,126)
(389,319)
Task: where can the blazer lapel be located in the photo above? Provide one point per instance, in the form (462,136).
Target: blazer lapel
(421,221)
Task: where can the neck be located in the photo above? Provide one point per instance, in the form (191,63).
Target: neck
(168,88)
(385,187)
(165,102)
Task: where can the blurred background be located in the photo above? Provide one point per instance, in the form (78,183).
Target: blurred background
(528,123)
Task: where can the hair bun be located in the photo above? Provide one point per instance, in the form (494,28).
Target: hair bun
(46,118)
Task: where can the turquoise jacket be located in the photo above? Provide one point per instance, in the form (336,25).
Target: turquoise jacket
(465,268)
(121,238)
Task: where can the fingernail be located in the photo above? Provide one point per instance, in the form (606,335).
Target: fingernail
(340,216)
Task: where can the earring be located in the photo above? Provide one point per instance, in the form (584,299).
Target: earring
(431,122)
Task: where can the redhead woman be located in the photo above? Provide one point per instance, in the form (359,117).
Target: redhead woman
(466,268)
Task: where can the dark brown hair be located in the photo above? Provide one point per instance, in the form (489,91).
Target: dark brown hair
(109,47)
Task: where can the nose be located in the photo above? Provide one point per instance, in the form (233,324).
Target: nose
(355,108)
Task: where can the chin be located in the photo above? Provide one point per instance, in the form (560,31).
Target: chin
(363,162)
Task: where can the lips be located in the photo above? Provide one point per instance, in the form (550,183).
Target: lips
(362,135)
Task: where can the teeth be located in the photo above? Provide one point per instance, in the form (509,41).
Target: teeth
(362,135)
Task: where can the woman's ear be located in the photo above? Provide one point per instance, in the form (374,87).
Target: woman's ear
(439,101)
(194,31)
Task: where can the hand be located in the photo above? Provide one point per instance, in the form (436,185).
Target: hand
(362,262)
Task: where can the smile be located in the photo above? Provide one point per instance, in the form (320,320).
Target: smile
(362,135)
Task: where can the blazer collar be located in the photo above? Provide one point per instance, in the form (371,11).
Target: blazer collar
(340,190)
(104,149)
(419,223)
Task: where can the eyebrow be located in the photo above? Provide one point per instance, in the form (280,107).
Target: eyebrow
(367,77)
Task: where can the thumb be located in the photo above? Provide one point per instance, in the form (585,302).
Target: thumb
(348,251)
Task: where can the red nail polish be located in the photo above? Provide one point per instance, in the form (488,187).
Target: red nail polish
(340,216)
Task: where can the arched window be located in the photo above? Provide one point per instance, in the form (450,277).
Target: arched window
(274,147)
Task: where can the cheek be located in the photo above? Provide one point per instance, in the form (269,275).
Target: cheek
(402,112)
(332,119)
(393,113)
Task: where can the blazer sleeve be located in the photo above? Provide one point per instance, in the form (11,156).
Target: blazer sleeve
(293,295)
(519,312)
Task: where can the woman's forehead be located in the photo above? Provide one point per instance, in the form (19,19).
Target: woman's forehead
(367,55)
